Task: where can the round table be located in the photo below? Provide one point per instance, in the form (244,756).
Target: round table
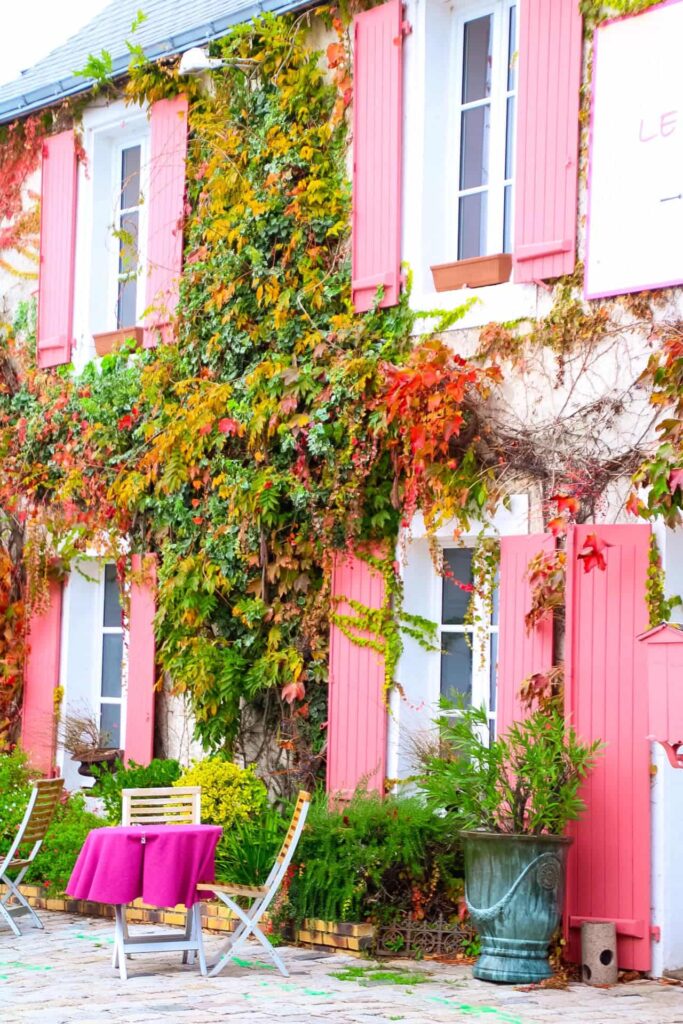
(162,865)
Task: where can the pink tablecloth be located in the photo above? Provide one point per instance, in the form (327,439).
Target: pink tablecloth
(160,863)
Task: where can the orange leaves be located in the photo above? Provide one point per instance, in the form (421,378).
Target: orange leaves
(546,575)
(227,425)
(336,55)
(427,404)
(567,507)
(293,691)
(566,503)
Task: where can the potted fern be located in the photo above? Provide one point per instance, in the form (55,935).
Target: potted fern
(510,799)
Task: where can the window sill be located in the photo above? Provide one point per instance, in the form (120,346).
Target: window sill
(110,341)
(474,273)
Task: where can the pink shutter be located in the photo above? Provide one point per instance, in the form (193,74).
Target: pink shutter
(607,699)
(520,653)
(59,180)
(38,723)
(357,713)
(546,180)
(141,663)
(377,155)
(166,214)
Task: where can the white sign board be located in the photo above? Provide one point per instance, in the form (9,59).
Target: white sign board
(635,186)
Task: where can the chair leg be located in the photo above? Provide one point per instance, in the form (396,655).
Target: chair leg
(269,948)
(188,954)
(9,919)
(196,913)
(14,893)
(120,932)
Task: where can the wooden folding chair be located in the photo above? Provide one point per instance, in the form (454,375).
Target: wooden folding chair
(261,895)
(41,807)
(162,805)
(159,805)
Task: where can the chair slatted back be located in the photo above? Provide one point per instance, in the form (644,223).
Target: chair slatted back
(39,813)
(162,805)
(302,802)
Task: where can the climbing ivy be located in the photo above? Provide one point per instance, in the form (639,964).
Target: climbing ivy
(279,427)
(659,606)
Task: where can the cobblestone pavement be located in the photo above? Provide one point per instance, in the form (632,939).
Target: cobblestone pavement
(64,976)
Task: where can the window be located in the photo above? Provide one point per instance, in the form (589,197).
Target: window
(468,652)
(113,215)
(486,83)
(110,674)
(130,201)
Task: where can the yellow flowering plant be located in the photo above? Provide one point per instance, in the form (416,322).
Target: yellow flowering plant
(229,793)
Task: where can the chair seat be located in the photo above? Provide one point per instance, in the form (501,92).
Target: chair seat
(18,863)
(234,890)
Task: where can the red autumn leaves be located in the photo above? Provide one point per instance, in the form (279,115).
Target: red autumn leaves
(567,507)
(592,553)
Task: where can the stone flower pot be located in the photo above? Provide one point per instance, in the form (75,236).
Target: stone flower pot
(105,756)
(514,888)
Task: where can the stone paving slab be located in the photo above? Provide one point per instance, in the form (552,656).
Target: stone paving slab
(63,975)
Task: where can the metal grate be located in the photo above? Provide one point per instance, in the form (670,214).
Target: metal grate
(430,938)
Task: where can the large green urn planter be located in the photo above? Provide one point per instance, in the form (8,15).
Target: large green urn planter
(514,888)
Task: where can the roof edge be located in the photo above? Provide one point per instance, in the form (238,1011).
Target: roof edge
(47,96)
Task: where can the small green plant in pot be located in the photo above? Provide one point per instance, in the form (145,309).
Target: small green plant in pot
(510,800)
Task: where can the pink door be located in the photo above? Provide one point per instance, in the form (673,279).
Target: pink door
(607,699)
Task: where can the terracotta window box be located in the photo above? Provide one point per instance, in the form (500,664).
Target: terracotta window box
(110,341)
(474,273)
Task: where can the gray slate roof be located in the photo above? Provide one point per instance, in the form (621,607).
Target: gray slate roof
(171,27)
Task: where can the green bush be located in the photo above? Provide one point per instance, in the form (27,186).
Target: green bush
(15,788)
(375,859)
(247,850)
(526,781)
(65,836)
(159,772)
(230,794)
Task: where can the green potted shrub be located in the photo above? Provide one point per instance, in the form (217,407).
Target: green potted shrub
(510,800)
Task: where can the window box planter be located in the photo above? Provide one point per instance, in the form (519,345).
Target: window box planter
(110,341)
(474,273)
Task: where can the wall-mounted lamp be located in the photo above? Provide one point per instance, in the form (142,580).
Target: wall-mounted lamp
(196,61)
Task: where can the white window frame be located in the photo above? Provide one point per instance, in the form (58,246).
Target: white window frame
(499,11)
(480,639)
(113,275)
(107,130)
(98,699)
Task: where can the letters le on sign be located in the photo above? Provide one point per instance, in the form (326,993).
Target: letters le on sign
(635,184)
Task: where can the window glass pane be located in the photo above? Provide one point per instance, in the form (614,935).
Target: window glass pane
(474,147)
(126,306)
(112,597)
(507,219)
(510,139)
(512,46)
(110,725)
(128,243)
(456,667)
(495,610)
(112,653)
(130,178)
(455,601)
(476,71)
(472,226)
(493,672)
